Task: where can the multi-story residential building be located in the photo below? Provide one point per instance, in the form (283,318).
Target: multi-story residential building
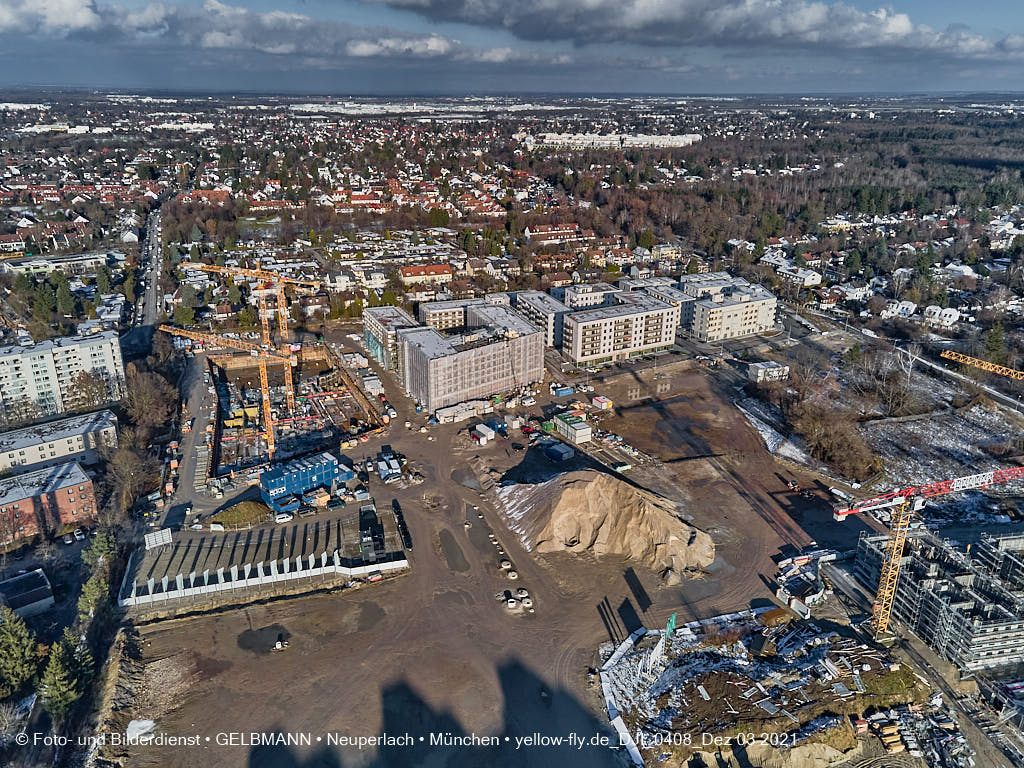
(380,326)
(71,264)
(637,324)
(585,295)
(675,297)
(553,234)
(728,307)
(501,352)
(446,315)
(426,273)
(44,378)
(544,311)
(77,437)
(643,283)
(45,500)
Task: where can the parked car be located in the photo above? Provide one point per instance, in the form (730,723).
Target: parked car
(68,539)
(283,517)
(79,534)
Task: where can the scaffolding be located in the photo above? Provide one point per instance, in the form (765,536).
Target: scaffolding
(954,601)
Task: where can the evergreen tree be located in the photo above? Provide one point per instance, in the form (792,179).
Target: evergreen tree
(23,284)
(65,301)
(184,315)
(18,659)
(44,302)
(59,688)
(995,345)
(103,279)
(101,551)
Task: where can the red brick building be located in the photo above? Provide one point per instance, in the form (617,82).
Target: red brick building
(45,500)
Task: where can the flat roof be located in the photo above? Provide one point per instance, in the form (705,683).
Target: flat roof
(500,318)
(58,343)
(17,439)
(443,306)
(298,465)
(542,301)
(629,304)
(591,288)
(40,481)
(390,317)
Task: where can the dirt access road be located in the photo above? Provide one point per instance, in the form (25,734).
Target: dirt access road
(434,651)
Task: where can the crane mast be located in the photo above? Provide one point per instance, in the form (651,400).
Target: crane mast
(269,280)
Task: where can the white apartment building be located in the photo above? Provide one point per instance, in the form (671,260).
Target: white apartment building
(446,315)
(544,311)
(42,379)
(76,438)
(585,295)
(637,324)
(728,307)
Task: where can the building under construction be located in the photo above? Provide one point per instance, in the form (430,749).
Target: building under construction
(968,606)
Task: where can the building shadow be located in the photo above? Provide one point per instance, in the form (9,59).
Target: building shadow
(433,738)
(636,587)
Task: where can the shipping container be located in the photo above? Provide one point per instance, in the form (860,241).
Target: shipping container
(559,452)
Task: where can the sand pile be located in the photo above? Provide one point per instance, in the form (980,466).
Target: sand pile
(590,511)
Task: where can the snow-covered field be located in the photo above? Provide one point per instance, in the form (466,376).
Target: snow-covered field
(763,417)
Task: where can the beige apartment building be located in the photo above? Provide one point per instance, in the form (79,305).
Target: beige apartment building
(728,307)
(636,325)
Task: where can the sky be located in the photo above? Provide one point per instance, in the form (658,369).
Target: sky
(417,47)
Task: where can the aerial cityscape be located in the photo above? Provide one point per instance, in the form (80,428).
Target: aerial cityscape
(390,384)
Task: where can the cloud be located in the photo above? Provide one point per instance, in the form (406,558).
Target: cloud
(217,26)
(391,46)
(713,23)
(50,16)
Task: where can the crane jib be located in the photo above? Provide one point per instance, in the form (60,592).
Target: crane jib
(894,498)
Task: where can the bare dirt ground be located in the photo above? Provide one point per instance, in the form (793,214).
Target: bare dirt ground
(435,651)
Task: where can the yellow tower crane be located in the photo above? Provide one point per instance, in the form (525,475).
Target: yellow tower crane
(263,356)
(985,365)
(269,279)
(904,504)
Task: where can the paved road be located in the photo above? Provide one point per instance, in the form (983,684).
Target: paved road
(138,339)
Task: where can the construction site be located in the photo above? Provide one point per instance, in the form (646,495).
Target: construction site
(278,399)
(967,604)
(761,688)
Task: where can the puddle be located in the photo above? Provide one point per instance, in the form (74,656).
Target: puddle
(465,477)
(453,552)
(262,640)
(370,615)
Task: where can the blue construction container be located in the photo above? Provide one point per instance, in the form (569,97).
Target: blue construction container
(281,484)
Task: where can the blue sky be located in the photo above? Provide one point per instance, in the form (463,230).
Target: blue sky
(457,46)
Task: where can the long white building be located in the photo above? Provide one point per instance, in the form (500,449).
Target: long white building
(43,379)
(75,438)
